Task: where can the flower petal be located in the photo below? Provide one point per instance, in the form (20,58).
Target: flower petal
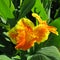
(20,39)
(42,33)
(12,34)
(24,21)
(53,30)
(24,41)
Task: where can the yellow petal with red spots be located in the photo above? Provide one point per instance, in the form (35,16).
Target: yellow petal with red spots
(25,38)
(43,30)
(12,34)
(24,22)
(42,33)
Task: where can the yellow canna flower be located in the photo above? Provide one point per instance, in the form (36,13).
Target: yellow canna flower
(25,34)
(43,30)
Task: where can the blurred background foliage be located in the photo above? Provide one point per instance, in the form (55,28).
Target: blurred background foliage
(12,10)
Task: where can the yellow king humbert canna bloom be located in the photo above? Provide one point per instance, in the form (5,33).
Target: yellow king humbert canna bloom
(25,34)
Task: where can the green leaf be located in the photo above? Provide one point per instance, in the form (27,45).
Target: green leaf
(2,45)
(50,52)
(6,9)
(17,57)
(38,57)
(46,53)
(26,7)
(54,39)
(38,8)
(4,57)
(47,5)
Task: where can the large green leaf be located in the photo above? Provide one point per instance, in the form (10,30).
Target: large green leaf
(54,39)
(6,9)
(38,8)
(50,52)
(38,57)
(46,53)
(26,7)
(4,57)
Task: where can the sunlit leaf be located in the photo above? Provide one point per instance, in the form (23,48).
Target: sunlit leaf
(2,45)
(6,9)
(47,6)
(38,8)
(4,57)
(16,57)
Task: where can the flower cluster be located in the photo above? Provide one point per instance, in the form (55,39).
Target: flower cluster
(25,34)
